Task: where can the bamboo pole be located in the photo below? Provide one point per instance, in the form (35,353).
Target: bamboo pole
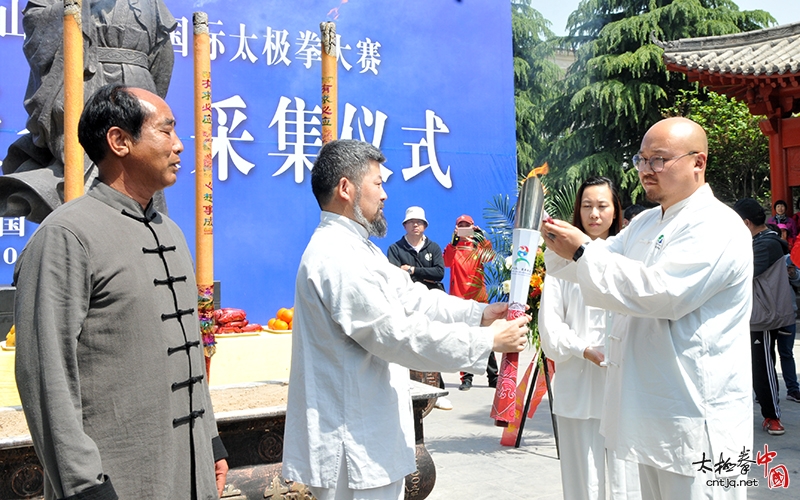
(204,178)
(73,99)
(330,82)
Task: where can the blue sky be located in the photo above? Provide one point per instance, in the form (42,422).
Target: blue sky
(785,11)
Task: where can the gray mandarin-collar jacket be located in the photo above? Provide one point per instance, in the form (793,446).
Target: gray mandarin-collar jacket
(109,361)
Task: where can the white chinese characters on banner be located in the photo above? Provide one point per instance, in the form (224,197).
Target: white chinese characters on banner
(217,47)
(433,125)
(11,226)
(9,21)
(244,52)
(222,146)
(299,138)
(309,50)
(378,121)
(276,47)
(180,37)
(296,136)
(339,56)
(369,58)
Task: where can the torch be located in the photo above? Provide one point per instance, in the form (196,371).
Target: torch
(73,99)
(204,178)
(528,218)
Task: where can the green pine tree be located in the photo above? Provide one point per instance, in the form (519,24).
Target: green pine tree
(619,84)
(535,78)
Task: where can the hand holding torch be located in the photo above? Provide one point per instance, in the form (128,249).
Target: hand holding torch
(528,218)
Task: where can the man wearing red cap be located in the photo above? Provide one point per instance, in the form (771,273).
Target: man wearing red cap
(465,257)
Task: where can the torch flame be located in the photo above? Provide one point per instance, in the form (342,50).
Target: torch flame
(335,11)
(539,171)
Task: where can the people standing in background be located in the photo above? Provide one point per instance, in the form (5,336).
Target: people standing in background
(417,254)
(768,252)
(465,255)
(786,340)
(783,221)
(631,212)
(573,335)
(796,215)
(422,259)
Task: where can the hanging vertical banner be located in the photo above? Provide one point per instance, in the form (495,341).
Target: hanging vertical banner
(429,83)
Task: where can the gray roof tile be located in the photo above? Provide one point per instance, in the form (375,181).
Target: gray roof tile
(771,51)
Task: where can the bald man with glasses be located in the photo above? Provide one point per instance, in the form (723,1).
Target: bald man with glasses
(678,392)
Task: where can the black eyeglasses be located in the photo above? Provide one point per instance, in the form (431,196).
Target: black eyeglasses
(657,162)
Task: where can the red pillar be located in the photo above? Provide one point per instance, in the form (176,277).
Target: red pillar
(779,185)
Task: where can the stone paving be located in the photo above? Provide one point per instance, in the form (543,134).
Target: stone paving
(471,463)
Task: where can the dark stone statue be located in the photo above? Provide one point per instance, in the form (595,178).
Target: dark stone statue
(125,41)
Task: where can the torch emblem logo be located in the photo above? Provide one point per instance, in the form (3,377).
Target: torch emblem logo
(522,255)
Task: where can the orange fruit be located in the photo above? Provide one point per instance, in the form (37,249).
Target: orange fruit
(286,315)
(271,323)
(280,325)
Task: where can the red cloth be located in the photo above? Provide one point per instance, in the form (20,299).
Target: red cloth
(228,314)
(795,255)
(466,263)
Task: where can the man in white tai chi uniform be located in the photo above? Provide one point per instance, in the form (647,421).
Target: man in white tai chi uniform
(359,320)
(678,393)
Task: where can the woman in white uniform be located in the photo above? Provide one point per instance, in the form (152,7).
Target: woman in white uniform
(573,336)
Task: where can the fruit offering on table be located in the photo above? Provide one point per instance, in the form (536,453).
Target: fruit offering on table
(282,320)
(232,320)
(11,337)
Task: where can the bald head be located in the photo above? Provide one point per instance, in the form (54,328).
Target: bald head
(683,145)
(683,132)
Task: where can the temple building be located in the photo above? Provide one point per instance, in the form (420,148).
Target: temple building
(761,68)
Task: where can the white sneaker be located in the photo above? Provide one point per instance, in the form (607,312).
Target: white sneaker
(443,404)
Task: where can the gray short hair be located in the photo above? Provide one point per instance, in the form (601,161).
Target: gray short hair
(343,158)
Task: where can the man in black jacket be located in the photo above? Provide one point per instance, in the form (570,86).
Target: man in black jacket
(422,258)
(416,254)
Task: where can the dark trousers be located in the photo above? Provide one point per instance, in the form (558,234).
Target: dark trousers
(788,367)
(765,378)
(491,370)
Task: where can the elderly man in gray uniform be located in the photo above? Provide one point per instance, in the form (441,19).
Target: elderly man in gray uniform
(109,362)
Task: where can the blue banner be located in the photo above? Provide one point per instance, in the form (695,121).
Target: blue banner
(429,83)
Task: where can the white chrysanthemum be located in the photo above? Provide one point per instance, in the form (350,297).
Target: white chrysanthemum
(507,286)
